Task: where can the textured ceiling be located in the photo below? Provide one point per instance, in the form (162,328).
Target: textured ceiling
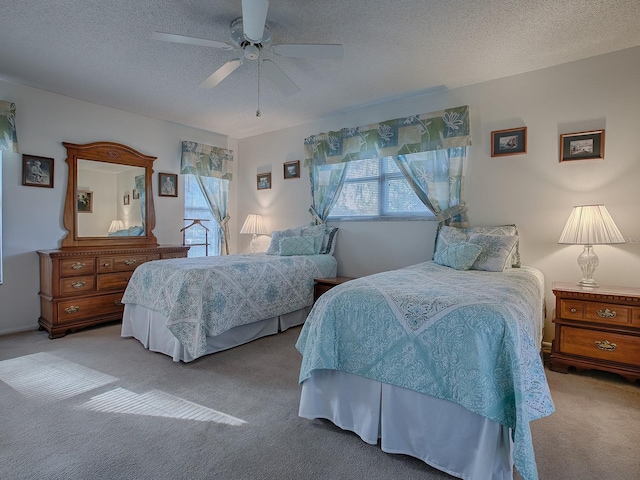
(101,51)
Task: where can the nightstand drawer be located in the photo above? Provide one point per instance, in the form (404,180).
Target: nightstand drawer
(595,312)
(599,344)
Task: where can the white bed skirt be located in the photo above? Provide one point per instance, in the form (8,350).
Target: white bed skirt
(150,328)
(443,434)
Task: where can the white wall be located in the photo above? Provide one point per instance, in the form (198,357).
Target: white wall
(534,191)
(32,217)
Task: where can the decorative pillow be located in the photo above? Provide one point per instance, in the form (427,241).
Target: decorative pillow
(329,241)
(448,235)
(497,251)
(297,246)
(277,235)
(460,255)
(500,230)
(317,232)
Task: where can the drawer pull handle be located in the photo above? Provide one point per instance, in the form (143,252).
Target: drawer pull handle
(106,264)
(78,266)
(606,313)
(605,345)
(72,309)
(118,302)
(573,310)
(78,284)
(130,262)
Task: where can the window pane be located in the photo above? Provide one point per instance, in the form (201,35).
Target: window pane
(363,169)
(196,207)
(401,199)
(356,199)
(390,165)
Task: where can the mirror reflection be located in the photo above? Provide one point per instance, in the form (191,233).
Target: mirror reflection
(110,199)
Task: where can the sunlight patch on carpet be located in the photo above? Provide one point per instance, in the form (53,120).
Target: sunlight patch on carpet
(47,377)
(156,404)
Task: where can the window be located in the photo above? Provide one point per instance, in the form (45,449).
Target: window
(196,207)
(376,188)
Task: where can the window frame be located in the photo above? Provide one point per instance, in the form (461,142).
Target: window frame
(213,240)
(383,177)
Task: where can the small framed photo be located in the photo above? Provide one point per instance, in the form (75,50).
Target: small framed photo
(37,171)
(125,199)
(292,169)
(85,201)
(264,181)
(509,142)
(168,184)
(136,194)
(582,146)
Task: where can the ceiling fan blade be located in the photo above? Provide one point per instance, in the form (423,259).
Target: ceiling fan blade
(222,73)
(254,16)
(309,51)
(170,37)
(277,76)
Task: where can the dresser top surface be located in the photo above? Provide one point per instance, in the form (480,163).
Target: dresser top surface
(601,290)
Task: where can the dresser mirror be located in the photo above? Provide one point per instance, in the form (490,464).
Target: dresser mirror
(109,201)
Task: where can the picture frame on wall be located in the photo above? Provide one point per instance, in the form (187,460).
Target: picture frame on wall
(582,146)
(125,200)
(84,201)
(264,181)
(512,141)
(136,194)
(292,169)
(168,184)
(37,171)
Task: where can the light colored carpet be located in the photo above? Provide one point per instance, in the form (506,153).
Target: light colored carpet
(93,405)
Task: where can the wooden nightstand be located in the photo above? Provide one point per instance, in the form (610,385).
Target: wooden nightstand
(597,328)
(323,285)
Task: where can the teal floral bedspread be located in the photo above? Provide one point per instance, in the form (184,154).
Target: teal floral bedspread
(209,295)
(470,337)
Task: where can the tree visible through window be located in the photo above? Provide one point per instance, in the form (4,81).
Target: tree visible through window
(196,207)
(376,188)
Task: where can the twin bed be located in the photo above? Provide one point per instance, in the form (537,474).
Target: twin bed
(435,362)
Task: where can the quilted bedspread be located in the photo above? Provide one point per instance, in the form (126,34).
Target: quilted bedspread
(209,295)
(470,337)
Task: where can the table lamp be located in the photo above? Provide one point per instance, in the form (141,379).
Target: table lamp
(255,226)
(115,226)
(590,225)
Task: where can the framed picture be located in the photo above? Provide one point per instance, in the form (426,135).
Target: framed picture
(37,171)
(125,199)
(292,169)
(136,194)
(85,201)
(582,146)
(264,181)
(168,184)
(509,142)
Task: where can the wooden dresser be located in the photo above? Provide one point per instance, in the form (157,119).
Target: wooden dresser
(84,286)
(597,328)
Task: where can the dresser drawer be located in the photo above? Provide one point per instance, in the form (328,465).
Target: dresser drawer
(75,267)
(601,345)
(595,312)
(71,310)
(112,281)
(76,285)
(122,263)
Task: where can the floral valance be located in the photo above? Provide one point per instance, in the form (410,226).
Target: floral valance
(8,137)
(206,160)
(417,133)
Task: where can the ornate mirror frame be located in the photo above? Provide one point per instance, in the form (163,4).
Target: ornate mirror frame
(114,153)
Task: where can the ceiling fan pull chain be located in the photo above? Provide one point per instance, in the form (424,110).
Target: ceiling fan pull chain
(258,110)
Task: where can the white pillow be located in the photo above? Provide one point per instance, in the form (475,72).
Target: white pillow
(496,253)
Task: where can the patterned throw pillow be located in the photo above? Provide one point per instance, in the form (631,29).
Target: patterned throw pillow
(500,230)
(459,255)
(297,246)
(329,242)
(317,232)
(497,251)
(277,235)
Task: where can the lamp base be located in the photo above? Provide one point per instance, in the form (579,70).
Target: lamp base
(254,243)
(588,261)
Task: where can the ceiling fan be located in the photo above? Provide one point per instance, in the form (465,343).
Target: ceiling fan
(250,35)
